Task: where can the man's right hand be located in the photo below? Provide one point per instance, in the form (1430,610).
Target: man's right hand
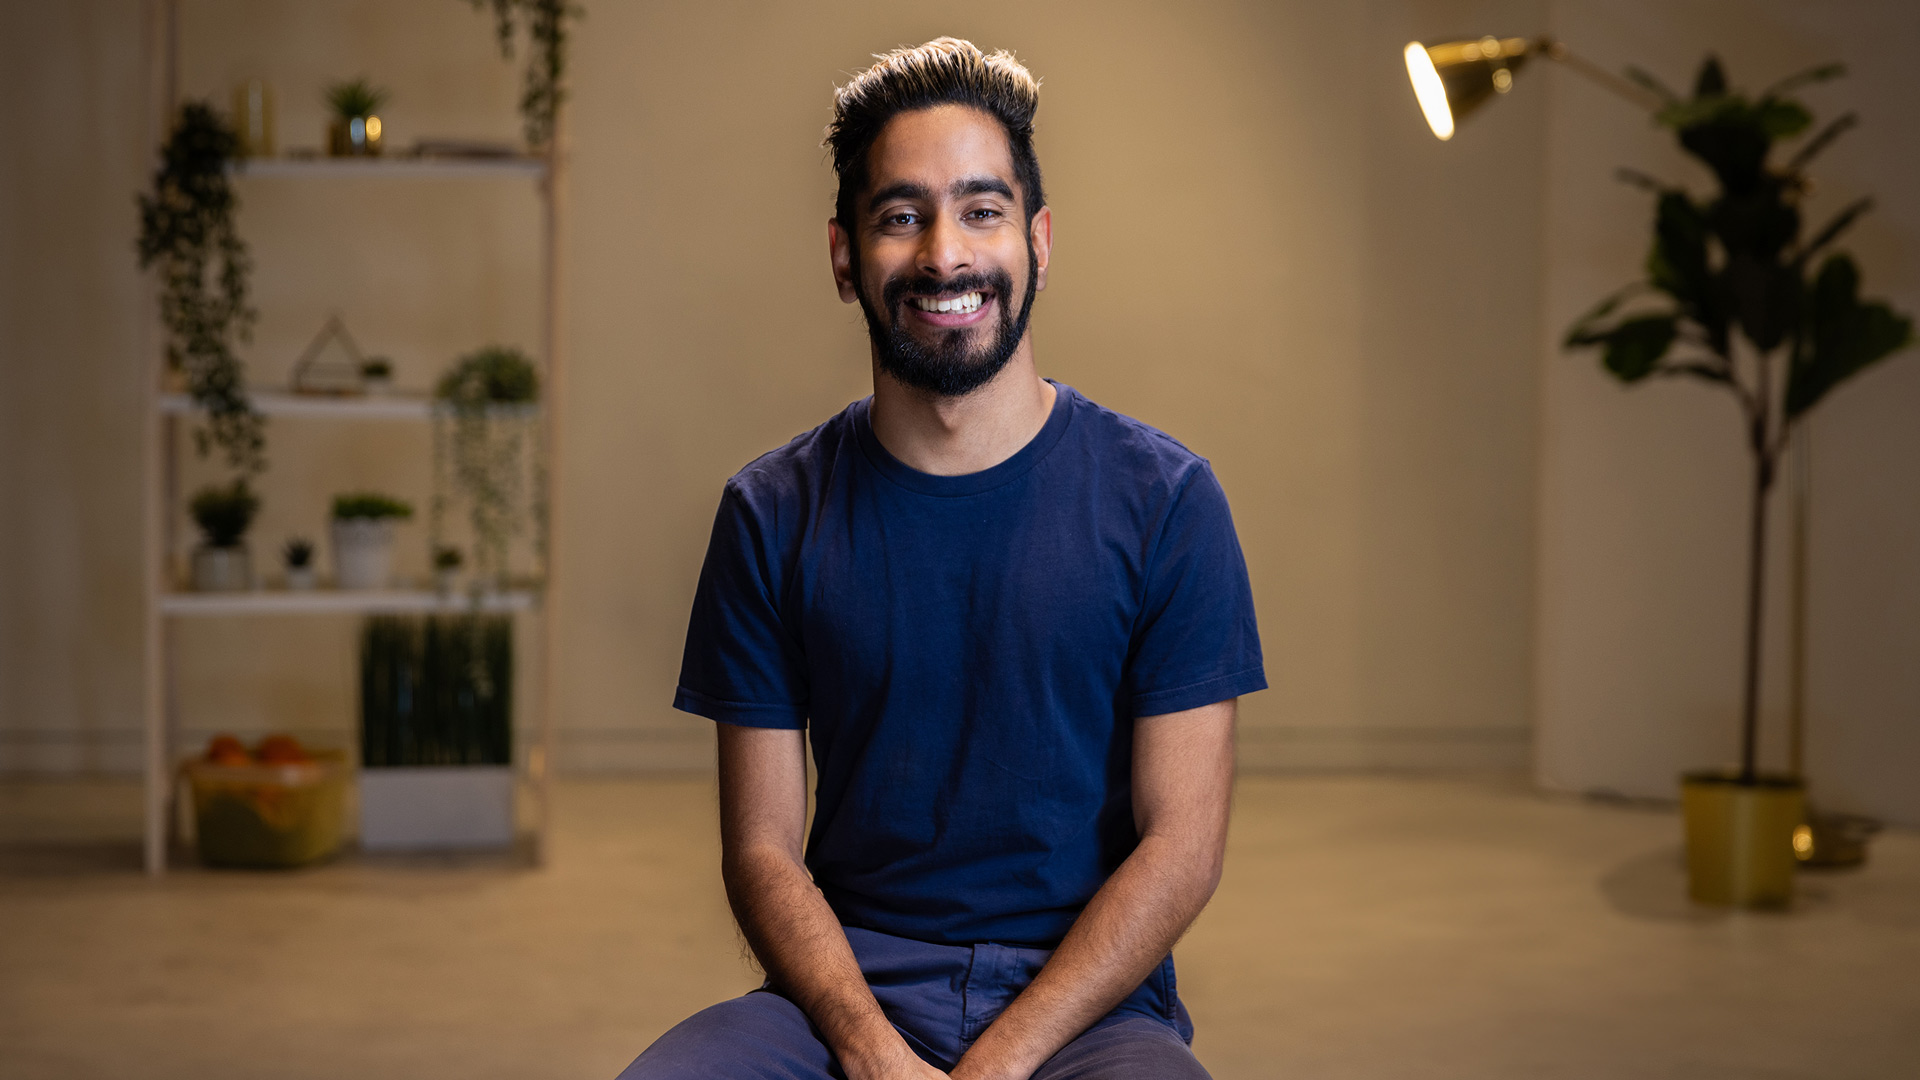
(902,1064)
(793,933)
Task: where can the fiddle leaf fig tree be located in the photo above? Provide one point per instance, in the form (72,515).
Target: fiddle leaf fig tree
(1736,295)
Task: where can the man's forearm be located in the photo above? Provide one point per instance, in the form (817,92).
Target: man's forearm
(1126,929)
(805,953)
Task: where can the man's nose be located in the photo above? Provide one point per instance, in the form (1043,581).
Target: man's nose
(944,249)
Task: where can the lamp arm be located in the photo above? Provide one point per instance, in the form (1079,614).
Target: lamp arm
(1556,50)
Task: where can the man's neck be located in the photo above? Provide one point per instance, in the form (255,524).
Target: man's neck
(949,436)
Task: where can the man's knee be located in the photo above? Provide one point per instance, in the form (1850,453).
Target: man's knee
(1132,1049)
(759,1035)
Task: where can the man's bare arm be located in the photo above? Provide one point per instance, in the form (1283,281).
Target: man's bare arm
(763,812)
(1182,788)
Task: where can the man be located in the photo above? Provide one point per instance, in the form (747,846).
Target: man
(1016,624)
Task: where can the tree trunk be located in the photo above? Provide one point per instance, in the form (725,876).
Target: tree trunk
(1756,587)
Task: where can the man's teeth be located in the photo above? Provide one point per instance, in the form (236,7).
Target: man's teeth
(959,305)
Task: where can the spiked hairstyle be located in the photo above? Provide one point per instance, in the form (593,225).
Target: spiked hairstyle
(944,71)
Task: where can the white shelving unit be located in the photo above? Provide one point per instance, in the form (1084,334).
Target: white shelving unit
(165,604)
(340,602)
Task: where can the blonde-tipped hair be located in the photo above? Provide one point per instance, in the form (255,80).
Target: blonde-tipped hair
(944,71)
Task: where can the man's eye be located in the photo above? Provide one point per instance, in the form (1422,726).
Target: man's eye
(902,218)
(984,214)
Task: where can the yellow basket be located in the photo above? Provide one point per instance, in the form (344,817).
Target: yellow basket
(268,816)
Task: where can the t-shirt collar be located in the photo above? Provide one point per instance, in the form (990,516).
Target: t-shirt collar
(1011,469)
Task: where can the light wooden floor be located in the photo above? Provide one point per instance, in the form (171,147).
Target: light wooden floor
(1367,928)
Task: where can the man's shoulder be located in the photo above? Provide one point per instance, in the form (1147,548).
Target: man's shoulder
(790,471)
(1145,452)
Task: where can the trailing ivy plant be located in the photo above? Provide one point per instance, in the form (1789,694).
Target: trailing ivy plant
(485,456)
(187,231)
(1735,294)
(543,88)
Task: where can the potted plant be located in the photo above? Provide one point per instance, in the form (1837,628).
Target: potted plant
(298,555)
(1738,297)
(542,87)
(354,130)
(436,732)
(188,234)
(223,512)
(485,455)
(446,569)
(376,376)
(362,532)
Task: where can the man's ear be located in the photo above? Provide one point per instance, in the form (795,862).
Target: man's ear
(840,252)
(1040,233)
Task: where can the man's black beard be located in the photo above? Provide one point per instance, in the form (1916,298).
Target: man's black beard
(947,367)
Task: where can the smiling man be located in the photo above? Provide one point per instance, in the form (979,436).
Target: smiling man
(1015,625)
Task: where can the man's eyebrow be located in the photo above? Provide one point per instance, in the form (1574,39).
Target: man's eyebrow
(981,185)
(901,189)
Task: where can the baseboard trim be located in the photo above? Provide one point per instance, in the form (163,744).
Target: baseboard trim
(1331,748)
(689,748)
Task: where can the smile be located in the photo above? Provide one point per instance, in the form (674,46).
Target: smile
(964,304)
(951,312)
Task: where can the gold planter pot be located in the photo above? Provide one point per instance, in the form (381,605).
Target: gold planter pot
(1740,837)
(357,136)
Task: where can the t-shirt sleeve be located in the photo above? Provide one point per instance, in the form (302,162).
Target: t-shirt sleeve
(742,665)
(1196,642)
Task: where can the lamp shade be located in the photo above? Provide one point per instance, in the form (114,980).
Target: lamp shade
(1452,80)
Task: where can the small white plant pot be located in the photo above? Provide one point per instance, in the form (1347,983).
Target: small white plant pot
(362,553)
(222,569)
(446,582)
(377,385)
(300,578)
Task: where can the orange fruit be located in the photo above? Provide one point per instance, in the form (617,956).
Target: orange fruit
(281,750)
(227,750)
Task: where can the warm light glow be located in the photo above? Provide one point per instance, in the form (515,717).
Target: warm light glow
(1426,87)
(373,129)
(1803,841)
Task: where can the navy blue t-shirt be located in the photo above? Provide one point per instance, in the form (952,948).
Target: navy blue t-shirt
(971,652)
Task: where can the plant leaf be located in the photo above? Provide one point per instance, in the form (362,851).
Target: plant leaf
(1582,332)
(1639,179)
(1817,74)
(1834,228)
(1782,119)
(1712,80)
(1820,142)
(1845,335)
(1634,348)
(1677,265)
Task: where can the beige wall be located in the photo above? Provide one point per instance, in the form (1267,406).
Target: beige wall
(1642,510)
(1259,248)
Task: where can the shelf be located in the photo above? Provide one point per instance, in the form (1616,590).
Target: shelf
(314,405)
(397,168)
(341,602)
(324,407)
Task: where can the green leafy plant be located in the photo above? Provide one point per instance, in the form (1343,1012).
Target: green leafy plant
(298,553)
(447,558)
(543,88)
(370,505)
(494,375)
(356,99)
(1736,296)
(224,512)
(187,231)
(436,690)
(483,452)
(376,367)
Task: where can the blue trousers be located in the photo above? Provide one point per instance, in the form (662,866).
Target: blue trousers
(940,998)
